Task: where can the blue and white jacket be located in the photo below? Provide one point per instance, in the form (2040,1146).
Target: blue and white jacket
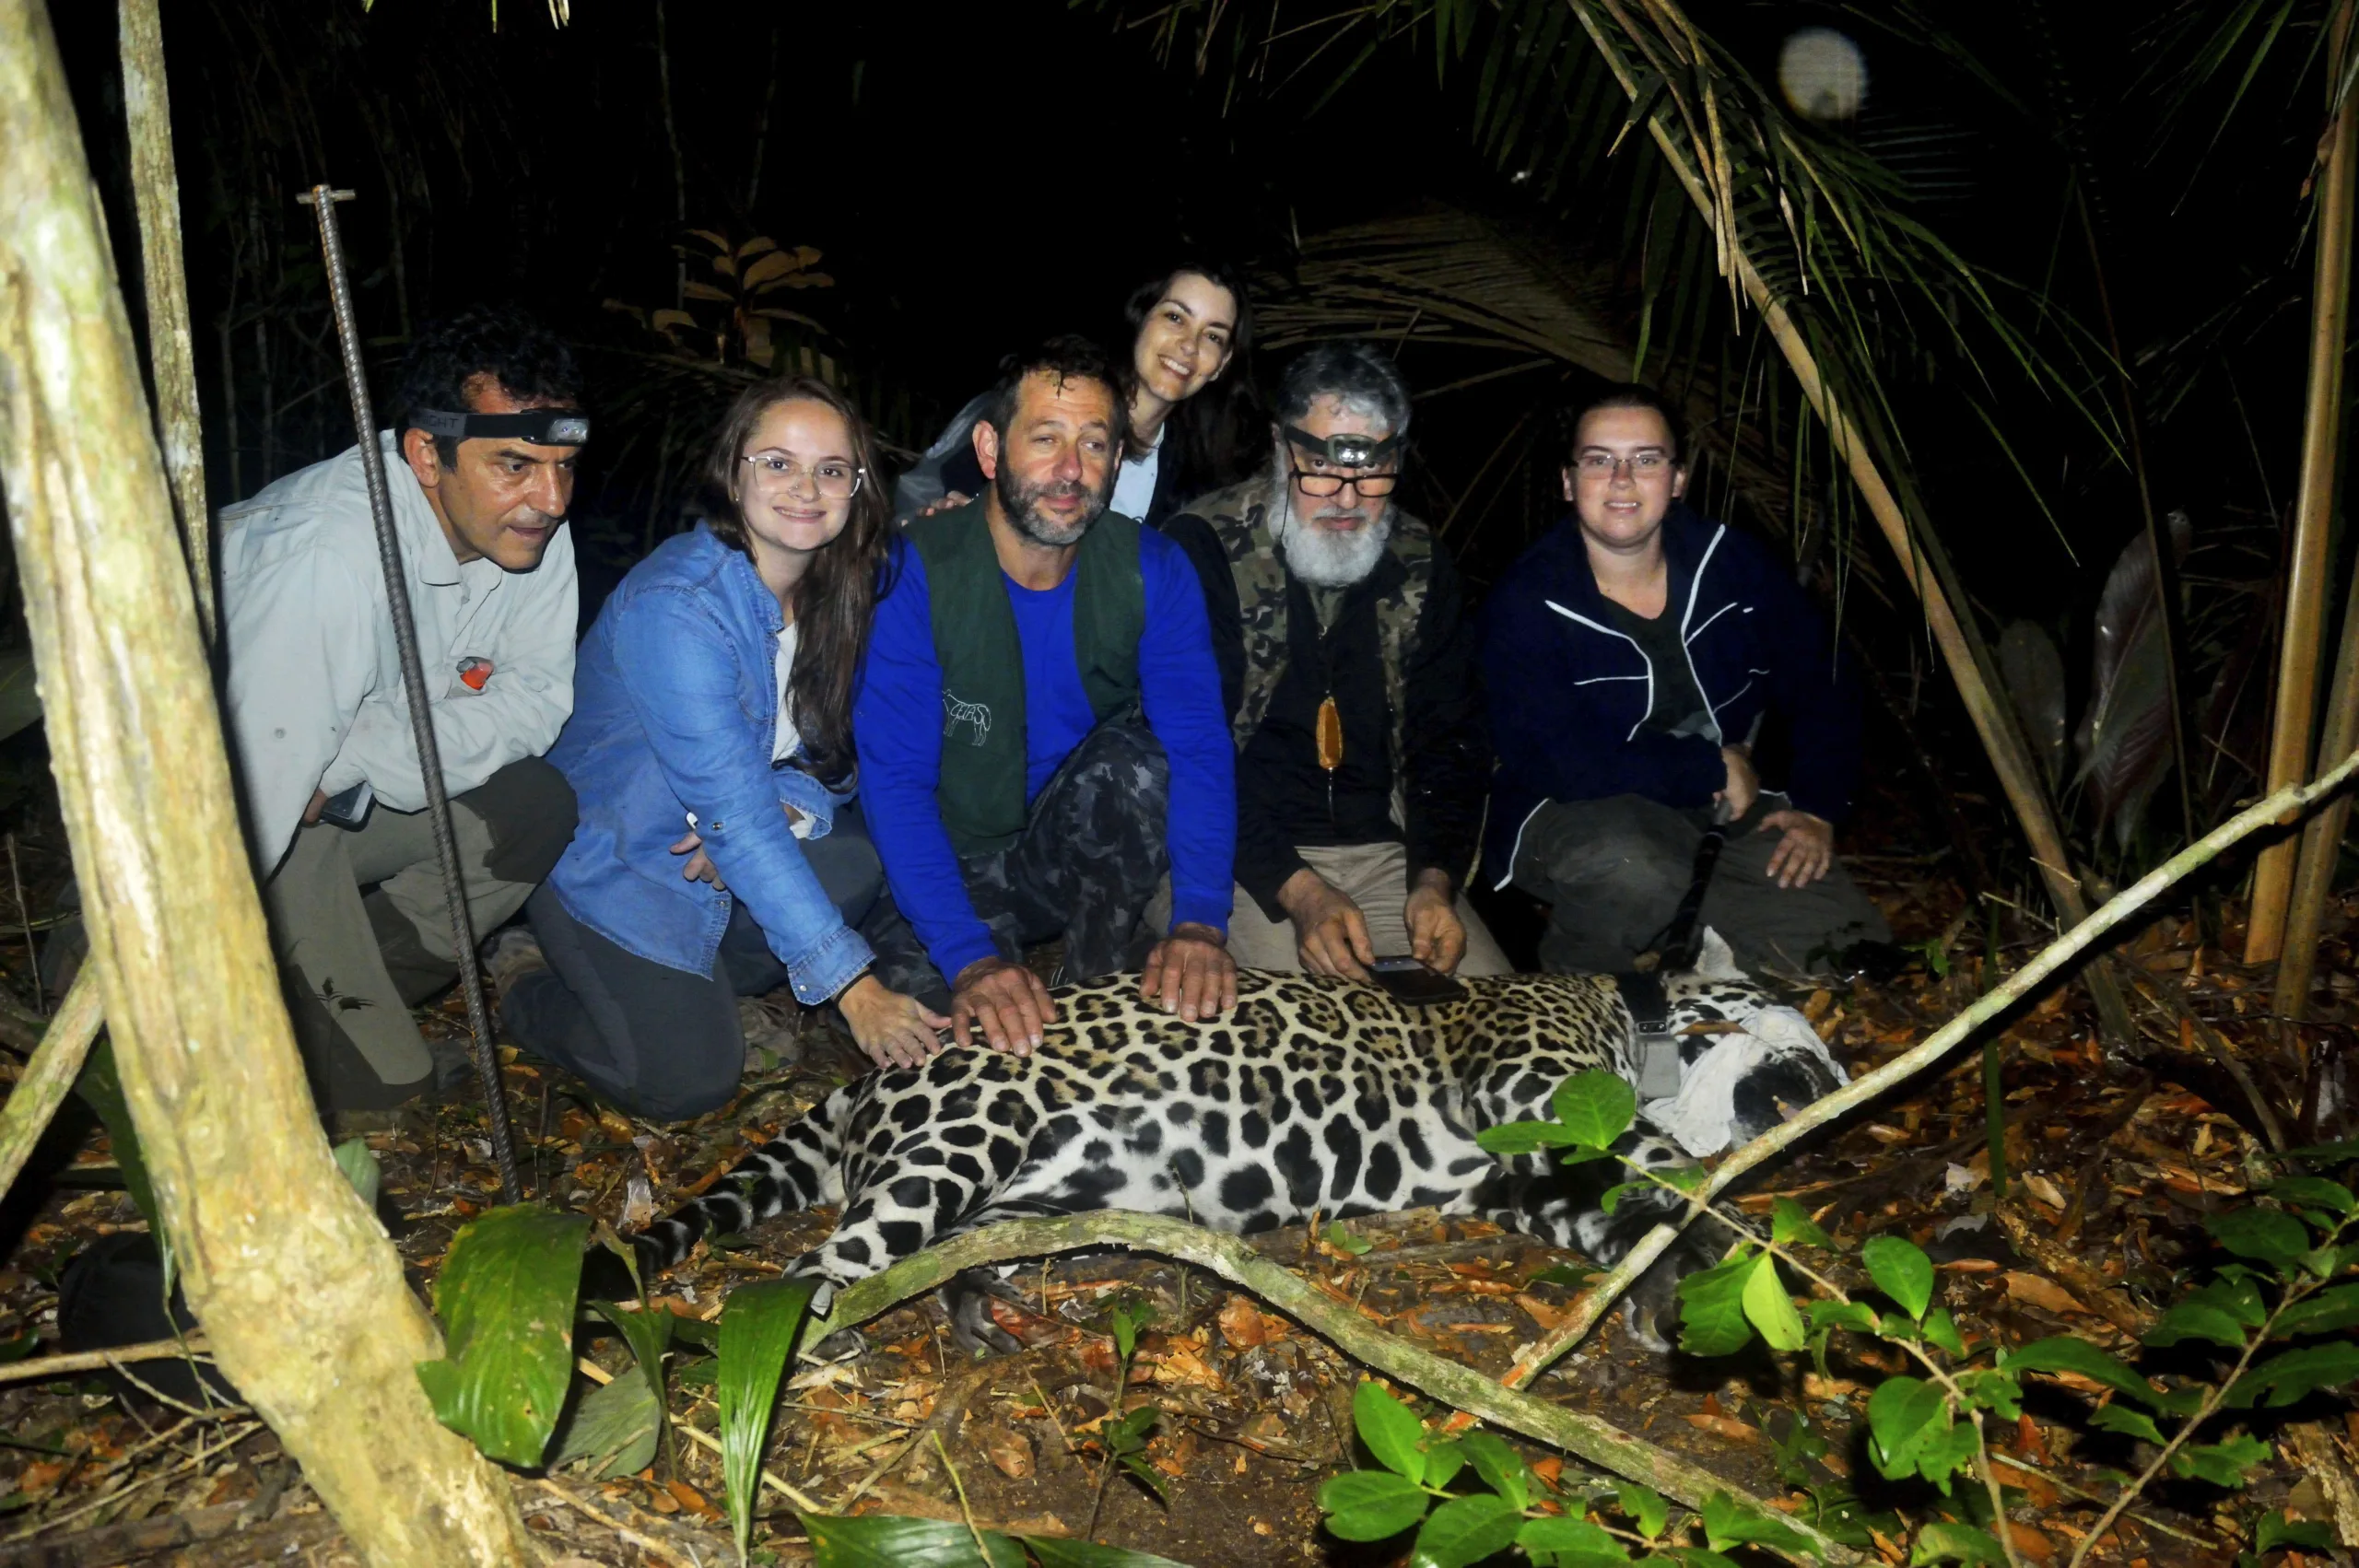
(1569,694)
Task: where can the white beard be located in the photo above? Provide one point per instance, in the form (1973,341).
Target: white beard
(1325,557)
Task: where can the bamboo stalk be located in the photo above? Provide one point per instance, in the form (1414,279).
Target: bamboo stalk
(172,353)
(301,1294)
(2321,840)
(49,1077)
(1969,663)
(2305,584)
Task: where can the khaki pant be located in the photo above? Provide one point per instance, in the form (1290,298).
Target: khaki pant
(361,927)
(1375,877)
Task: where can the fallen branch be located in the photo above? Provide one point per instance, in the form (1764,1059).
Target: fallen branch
(1598,1442)
(2282,809)
(111,1359)
(49,1077)
(2053,1258)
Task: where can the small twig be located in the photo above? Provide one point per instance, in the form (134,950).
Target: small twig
(960,1486)
(48,1076)
(228,1440)
(646,1543)
(44,1367)
(25,916)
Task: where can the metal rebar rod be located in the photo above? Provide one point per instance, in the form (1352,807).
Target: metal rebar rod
(323,200)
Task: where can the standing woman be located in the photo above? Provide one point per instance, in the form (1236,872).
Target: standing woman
(717,853)
(1193,428)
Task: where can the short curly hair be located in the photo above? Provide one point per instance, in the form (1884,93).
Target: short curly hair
(512,347)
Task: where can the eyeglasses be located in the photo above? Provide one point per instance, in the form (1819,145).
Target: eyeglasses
(1606,465)
(1371,486)
(834,481)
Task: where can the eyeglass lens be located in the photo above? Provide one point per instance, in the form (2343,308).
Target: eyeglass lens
(833,480)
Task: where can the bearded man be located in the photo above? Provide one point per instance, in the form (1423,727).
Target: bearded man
(1349,676)
(1039,730)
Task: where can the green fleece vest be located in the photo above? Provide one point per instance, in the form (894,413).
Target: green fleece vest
(981,792)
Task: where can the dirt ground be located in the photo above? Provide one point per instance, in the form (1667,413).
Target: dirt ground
(2119,1155)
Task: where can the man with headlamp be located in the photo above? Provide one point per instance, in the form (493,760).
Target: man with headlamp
(480,466)
(1349,678)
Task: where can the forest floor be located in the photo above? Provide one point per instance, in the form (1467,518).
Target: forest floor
(2117,1157)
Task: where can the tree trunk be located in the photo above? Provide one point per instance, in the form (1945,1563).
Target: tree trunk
(300,1294)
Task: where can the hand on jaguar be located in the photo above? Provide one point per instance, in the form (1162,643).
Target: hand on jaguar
(895,1030)
(1330,934)
(1191,973)
(1005,1001)
(1807,851)
(1436,935)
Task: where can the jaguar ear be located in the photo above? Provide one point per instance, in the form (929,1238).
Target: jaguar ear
(1715,960)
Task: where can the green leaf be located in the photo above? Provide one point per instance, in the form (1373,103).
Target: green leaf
(103,1090)
(1570,1543)
(1444,1458)
(2285,1378)
(1698,1557)
(1371,1504)
(1342,1240)
(2065,1354)
(891,1540)
(1392,1433)
(1990,1390)
(1729,1523)
(1063,1551)
(2276,1530)
(1611,1198)
(506,1300)
(1135,1465)
(2316,1191)
(1712,1310)
(2326,1154)
(759,1323)
(1940,1330)
(649,1335)
(1523,1137)
(2118,1416)
(1596,1108)
(1465,1530)
(2221,1464)
(1941,1541)
(2219,1312)
(360,1168)
(1129,1318)
(1769,1308)
(1946,1453)
(1644,1506)
(1500,1466)
(2263,1234)
(618,1424)
(2327,1311)
(1900,1272)
(1843,1314)
(1790,1226)
(1563,1274)
(1904,1414)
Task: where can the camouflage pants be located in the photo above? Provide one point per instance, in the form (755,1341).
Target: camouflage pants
(1089,860)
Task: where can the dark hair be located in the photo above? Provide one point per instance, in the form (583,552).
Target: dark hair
(1357,373)
(1221,435)
(530,362)
(1069,356)
(1628,394)
(837,598)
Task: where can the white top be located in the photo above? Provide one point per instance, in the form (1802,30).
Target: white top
(1134,486)
(314,697)
(789,737)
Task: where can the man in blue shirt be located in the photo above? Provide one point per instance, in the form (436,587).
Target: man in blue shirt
(1040,729)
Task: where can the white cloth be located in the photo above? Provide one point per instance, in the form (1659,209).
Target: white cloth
(790,737)
(1702,1118)
(314,696)
(1134,486)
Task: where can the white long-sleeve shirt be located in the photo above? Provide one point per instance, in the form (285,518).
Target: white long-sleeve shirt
(314,693)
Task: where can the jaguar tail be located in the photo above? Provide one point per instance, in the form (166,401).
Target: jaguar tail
(793,1171)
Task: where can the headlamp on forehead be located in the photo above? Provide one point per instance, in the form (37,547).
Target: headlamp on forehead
(1349,450)
(541,427)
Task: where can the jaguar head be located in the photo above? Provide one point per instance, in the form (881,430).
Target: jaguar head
(1760,1066)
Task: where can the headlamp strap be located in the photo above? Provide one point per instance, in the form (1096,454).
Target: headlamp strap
(541,427)
(1345,451)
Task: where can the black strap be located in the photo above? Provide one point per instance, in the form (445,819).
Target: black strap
(1678,942)
(1649,1003)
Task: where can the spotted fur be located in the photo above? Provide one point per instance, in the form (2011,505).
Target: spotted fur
(1314,1096)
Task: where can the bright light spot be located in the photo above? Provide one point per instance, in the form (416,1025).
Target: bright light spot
(1823,74)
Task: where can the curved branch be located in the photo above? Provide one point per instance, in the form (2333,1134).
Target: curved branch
(49,1077)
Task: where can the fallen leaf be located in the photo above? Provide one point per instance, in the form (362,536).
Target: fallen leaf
(1243,1326)
(1547,1316)
(2041,1292)
(2044,1190)
(2042,1491)
(1009,1451)
(2030,1543)
(1725,1426)
(1549,1469)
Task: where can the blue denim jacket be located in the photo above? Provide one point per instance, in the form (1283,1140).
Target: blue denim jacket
(675,710)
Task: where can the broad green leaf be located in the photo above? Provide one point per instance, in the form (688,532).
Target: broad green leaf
(2221,1464)
(757,1327)
(1129,1318)
(2285,1378)
(1499,1466)
(1900,1272)
(1898,1326)
(1790,1226)
(1945,1454)
(506,1300)
(2326,1154)
(19,698)
(2328,1310)
(1523,1137)
(359,1166)
(99,1086)
(1645,1508)
(1697,1557)
(892,1540)
(1941,1541)
(1392,1434)
(2263,1234)
(1371,1504)
(1712,1310)
(1990,1390)
(1342,1240)
(1465,1530)
(1563,1274)
(1769,1309)
(618,1424)
(649,1335)
(1570,1543)
(2219,1312)
(1595,1108)
(1904,1414)
(1729,1523)
(1063,1551)
(1135,1466)
(2276,1530)
(1940,1330)
(1444,1460)
(1843,1314)
(1687,1178)
(2118,1416)
(2315,1192)
(2065,1354)
(1611,1198)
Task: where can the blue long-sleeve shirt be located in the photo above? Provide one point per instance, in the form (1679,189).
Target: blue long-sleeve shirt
(896,722)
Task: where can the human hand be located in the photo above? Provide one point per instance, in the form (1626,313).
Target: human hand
(700,868)
(1743,786)
(1191,973)
(311,812)
(1330,934)
(1436,933)
(1006,1001)
(1805,853)
(951,500)
(895,1030)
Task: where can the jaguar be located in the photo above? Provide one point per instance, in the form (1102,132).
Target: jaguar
(1314,1096)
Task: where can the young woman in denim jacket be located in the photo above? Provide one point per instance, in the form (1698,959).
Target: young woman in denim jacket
(717,853)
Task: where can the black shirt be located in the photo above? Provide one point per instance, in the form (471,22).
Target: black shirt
(1678,708)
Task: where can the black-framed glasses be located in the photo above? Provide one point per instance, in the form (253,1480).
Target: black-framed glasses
(1371,486)
(834,481)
